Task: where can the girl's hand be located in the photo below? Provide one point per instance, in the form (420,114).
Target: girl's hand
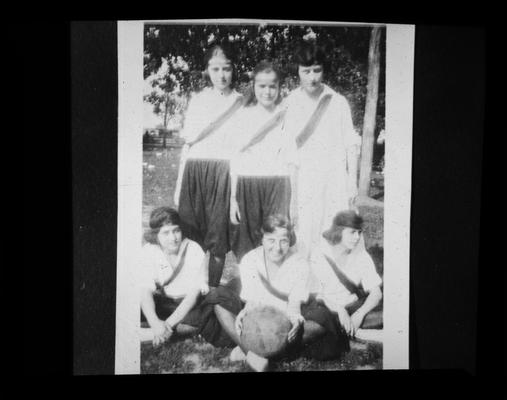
(357,319)
(238,324)
(346,321)
(161,333)
(297,321)
(204,289)
(235,216)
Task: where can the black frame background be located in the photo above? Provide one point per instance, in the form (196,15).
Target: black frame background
(448,311)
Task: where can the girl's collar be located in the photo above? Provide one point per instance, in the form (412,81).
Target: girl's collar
(262,110)
(183,245)
(220,93)
(264,262)
(325,89)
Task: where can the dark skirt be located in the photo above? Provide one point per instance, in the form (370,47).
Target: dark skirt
(202,316)
(331,345)
(374,319)
(204,204)
(258,197)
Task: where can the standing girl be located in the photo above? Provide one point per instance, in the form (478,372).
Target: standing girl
(263,164)
(203,187)
(319,120)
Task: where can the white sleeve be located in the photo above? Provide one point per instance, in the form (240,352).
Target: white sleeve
(196,258)
(316,284)
(369,276)
(301,273)
(350,136)
(236,140)
(248,276)
(289,122)
(195,120)
(289,150)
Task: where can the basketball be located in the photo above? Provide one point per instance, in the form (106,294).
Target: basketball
(265,331)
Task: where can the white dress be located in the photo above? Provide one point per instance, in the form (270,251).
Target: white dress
(323,185)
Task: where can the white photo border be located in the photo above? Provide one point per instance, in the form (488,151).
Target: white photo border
(398,171)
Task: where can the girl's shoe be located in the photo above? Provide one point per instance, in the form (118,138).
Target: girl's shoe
(237,355)
(257,363)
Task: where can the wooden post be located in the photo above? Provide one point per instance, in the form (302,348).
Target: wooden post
(166,110)
(370,112)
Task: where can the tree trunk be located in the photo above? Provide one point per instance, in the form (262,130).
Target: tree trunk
(166,110)
(370,112)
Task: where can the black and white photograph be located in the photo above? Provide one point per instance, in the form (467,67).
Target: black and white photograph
(264,186)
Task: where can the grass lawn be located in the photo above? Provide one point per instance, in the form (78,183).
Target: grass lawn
(160,169)
(195,355)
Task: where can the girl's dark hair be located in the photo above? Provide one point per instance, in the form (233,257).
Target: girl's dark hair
(220,49)
(159,217)
(309,53)
(264,66)
(344,219)
(272,222)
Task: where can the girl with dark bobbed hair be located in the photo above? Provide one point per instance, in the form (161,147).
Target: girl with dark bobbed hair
(343,275)
(202,191)
(158,218)
(319,120)
(308,54)
(263,165)
(175,298)
(345,219)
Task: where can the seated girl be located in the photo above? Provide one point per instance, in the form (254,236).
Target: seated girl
(275,275)
(175,298)
(343,275)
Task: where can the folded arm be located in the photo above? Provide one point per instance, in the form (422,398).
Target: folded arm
(161,332)
(186,305)
(372,301)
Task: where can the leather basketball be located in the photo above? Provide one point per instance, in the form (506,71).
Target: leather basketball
(265,331)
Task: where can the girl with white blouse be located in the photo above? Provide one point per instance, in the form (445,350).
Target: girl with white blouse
(175,298)
(344,277)
(203,187)
(263,166)
(319,120)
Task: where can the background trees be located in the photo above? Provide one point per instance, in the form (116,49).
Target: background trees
(173,63)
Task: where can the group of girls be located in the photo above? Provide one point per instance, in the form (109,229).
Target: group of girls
(255,174)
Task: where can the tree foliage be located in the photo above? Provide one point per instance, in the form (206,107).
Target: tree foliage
(178,50)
